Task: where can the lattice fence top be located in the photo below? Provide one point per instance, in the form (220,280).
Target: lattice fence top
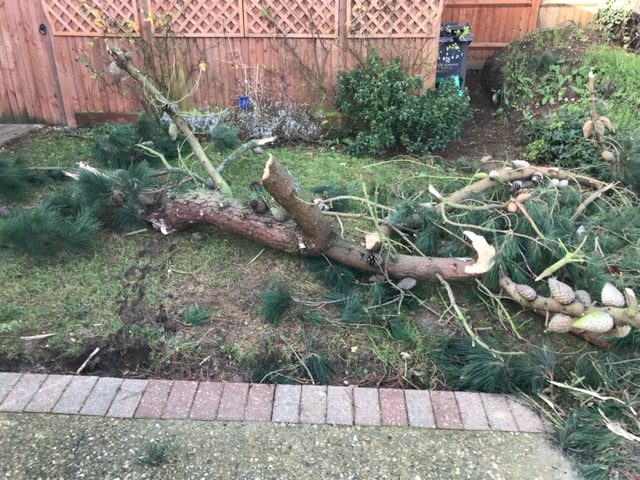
(293,18)
(92,17)
(393,18)
(198,18)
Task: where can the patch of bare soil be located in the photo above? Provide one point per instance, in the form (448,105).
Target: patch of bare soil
(487,133)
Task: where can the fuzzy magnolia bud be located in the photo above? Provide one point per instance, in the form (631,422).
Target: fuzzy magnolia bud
(560,323)
(608,156)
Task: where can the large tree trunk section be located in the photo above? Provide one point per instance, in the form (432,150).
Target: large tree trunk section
(314,227)
(308,233)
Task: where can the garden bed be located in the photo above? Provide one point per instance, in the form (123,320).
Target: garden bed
(204,304)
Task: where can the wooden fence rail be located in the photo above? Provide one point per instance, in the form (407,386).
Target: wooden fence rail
(293,48)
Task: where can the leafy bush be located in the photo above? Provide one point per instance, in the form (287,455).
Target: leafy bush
(381,101)
(618,83)
(557,139)
(614,22)
(542,68)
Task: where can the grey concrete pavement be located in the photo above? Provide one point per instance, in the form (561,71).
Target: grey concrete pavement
(70,446)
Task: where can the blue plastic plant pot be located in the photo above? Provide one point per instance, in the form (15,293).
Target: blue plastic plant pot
(243,103)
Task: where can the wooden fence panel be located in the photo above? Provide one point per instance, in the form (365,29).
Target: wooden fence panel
(83,18)
(494,23)
(28,82)
(198,18)
(557,12)
(294,48)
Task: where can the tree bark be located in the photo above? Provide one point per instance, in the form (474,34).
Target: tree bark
(307,233)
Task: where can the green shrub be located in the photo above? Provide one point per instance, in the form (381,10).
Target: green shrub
(617,83)
(557,139)
(613,23)
(385,105)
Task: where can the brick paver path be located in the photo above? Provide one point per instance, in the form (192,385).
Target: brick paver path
(212,401)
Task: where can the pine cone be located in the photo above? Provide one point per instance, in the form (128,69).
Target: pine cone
(372,259)
(258,205)
(526,292)
(561,292)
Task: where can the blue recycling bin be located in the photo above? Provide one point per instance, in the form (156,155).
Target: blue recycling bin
(453,52)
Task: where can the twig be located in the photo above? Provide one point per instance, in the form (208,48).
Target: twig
(93,354)
(460,315)
(243,148)
(155,153)
(474,337)
(122,60)
(256,257)
(136,232)
(304,365)
(590,199)
(37,337)
(586,392)
(569,257)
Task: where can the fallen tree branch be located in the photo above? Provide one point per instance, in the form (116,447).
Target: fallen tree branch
(122,59)
(243,148)
(308,232)
(576,309)
(316,231)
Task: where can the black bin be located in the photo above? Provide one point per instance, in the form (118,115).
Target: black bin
(453,52)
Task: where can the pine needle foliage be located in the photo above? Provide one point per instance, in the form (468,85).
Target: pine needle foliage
(44,232)
(195,315)
(631,342)
(603,453)
(401,330)
(117,196)
(380,292)
(118,146)
(337,277)
(224,137)
(313,317)
(273,303)
(470,367)
(15,177)
(352,311)
(320,367)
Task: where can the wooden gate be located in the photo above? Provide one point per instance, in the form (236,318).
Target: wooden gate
(29,89)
